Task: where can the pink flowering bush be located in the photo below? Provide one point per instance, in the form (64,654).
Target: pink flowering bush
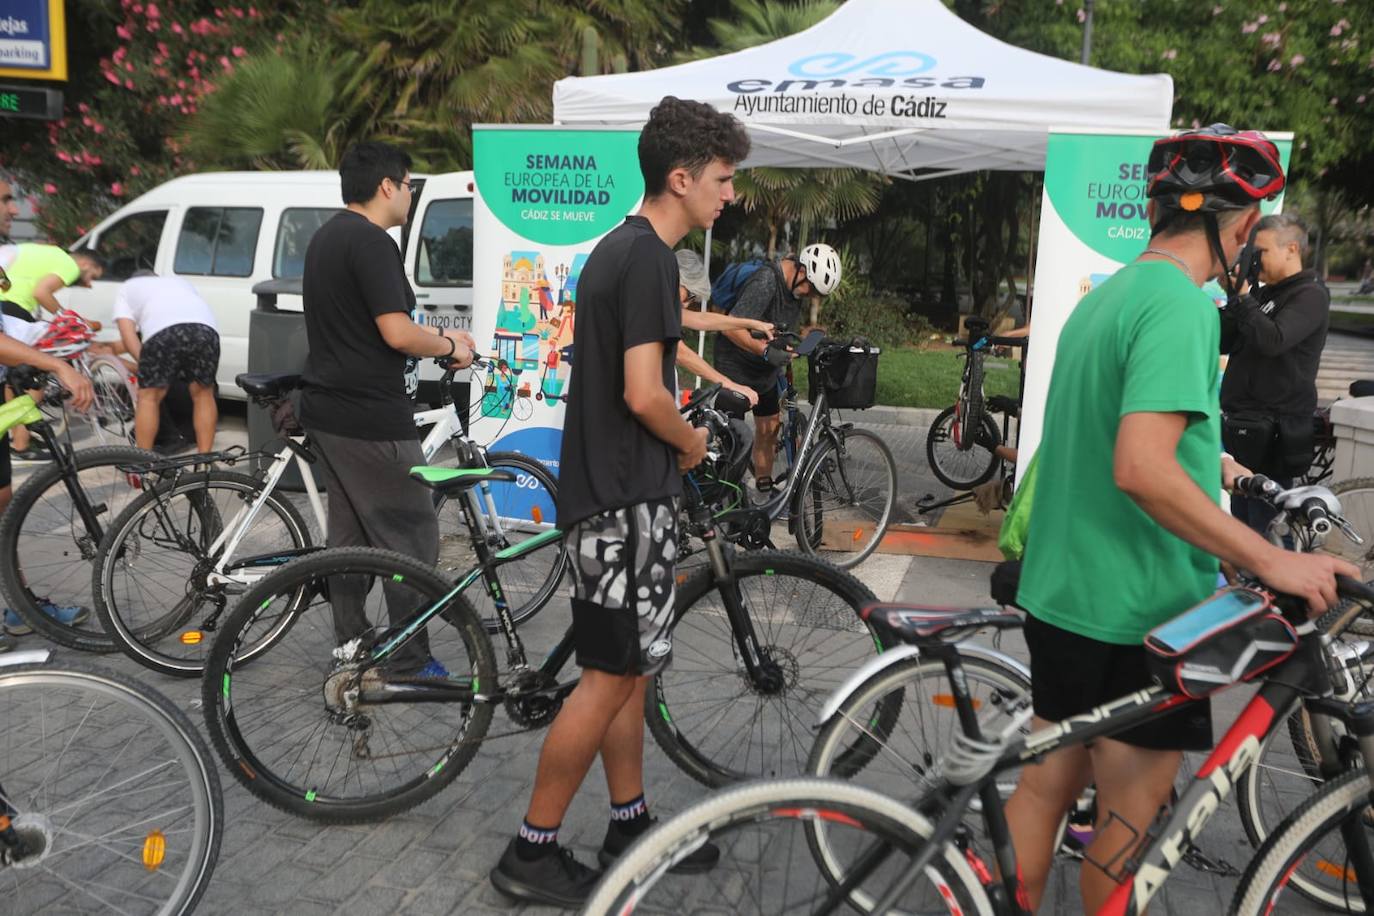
(140,71)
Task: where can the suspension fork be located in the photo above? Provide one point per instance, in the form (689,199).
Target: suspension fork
(66,459)
(757,662)
(1359,719)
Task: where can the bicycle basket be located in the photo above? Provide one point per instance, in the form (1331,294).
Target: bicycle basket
(1233,636)
(849,373)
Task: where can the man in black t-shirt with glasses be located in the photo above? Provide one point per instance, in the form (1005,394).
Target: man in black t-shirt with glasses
(625,447)
(359,379)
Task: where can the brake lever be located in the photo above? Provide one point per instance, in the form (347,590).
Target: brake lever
(1347,529)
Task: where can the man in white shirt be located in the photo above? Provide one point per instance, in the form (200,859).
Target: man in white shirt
(180,342)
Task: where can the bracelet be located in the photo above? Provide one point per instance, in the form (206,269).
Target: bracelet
(452,347)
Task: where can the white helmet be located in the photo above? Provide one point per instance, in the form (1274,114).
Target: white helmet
(822,265)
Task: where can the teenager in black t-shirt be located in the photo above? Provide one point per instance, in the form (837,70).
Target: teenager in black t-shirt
(625,446)
(356,399)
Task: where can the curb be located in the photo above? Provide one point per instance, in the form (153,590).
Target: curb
(880,415)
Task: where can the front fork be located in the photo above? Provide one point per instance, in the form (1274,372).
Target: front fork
(763,673)
(1359,719)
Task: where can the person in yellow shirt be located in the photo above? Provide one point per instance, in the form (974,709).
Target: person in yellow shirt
(35,274)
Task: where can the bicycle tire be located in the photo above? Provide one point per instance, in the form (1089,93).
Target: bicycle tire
(961,469)
(921,683)
(259,736)
(973,409)
(112,411)
(835,494)
(43,541)
(642,877)
(131,563)
(791,599)
(68,811)
(1279,863)
(529,582)
(1356,496)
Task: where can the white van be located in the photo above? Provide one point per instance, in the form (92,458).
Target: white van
(227,231)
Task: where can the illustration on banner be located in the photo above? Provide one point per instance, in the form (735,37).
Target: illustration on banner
(532,343)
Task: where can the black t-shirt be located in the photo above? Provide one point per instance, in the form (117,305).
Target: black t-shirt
(355,385)
(764,296)
(626,297)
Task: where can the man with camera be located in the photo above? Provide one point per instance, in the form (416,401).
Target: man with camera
(1274,335)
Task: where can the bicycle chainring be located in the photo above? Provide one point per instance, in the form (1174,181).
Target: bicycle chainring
(530,701)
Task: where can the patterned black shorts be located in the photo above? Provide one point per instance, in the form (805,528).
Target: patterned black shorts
(623,587)
(180,353)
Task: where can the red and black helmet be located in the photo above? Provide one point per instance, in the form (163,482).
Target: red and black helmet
(1213,169)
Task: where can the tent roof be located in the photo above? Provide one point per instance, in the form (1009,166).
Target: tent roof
(904,87)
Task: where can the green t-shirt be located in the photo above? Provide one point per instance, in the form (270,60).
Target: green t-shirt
(31,265)
(1095,564)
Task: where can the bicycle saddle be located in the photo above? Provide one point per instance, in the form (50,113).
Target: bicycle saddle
(918,623)
(454,480)
(1362,388)
(268,384)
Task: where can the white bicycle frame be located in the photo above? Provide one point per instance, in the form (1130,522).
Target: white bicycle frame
(446,426)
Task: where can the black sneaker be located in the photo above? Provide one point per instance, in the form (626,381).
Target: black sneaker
(33,455)
(701,859)
(556,879)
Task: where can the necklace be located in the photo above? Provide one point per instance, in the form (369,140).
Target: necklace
(1173,257)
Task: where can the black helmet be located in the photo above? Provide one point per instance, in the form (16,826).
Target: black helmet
(1213,169)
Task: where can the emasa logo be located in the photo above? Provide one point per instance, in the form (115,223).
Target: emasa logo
(839,63)
(832,70)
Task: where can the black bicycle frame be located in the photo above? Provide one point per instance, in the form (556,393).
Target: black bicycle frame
(65,458)
(1303,676)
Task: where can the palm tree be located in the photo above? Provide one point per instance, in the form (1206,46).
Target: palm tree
(276,111)
(807,197)
(756,22)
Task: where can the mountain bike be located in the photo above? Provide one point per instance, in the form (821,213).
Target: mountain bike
(838,486)
(175,559)
(350,723)
(961,446)
(109,800)
(50,532)
(829,846)
(111,415)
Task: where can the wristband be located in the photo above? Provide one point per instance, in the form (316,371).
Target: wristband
(452,347)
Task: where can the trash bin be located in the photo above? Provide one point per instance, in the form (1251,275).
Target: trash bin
(276,343)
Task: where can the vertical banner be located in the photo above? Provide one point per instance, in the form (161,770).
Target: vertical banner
(545,196)
(1092,221)
(33,39)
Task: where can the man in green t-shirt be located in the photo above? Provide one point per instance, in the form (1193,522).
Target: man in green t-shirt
(1126,528)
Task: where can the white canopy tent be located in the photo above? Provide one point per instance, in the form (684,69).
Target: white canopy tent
(903,87)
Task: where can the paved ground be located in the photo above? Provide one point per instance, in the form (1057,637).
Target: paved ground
(434,859)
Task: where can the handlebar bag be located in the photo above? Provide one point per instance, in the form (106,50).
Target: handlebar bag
(849,373)
(1233,636)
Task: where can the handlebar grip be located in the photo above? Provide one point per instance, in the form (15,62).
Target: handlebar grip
(1347,587)
(1257,485)
(1314,509)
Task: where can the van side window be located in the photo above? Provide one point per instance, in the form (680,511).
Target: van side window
(446,244)
(131,244)
(298,227)
(218,241)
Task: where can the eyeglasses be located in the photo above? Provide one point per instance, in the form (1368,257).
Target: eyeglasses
(409,186)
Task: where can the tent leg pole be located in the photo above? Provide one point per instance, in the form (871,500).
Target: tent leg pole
(701,336)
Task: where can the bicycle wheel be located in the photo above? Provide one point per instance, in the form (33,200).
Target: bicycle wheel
(896,760)
(848,491)
(517,511)
(1357,507)
(711,718)
(768,861)
(114,793)
(1307,852)
(1287,769)
(153,580)
(112,413)
(962,468)
(291,724)
(47,550)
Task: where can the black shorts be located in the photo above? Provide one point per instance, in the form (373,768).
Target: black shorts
(180,353)
(765,388)
(6,471)
(1071,674)
(624,586)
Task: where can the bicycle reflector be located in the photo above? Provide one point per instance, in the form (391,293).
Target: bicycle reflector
(538,515)
(154,849)
(192,637)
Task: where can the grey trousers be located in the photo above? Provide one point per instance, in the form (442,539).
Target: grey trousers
(372,502)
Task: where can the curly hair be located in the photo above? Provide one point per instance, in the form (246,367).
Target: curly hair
(687,135)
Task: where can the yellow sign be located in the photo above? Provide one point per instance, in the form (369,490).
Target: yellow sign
(33,40)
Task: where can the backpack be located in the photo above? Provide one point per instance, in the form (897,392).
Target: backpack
(726,289)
